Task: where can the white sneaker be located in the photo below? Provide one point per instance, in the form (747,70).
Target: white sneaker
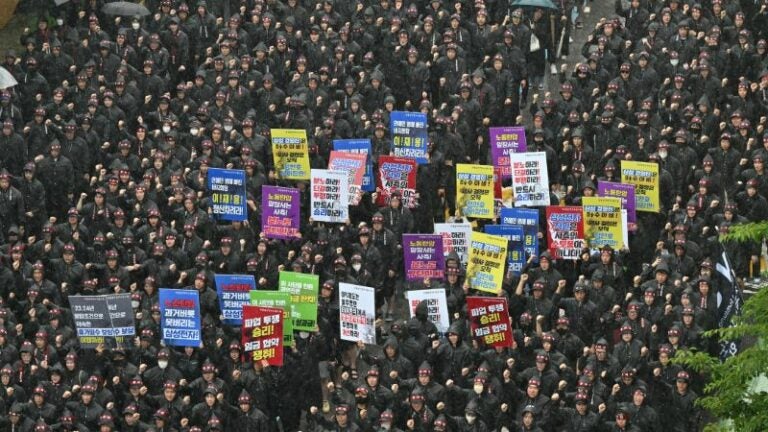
(553,69)
(587,10)
(570,40)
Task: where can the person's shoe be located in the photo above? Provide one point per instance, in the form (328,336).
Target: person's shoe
(541,86)
(552,70)
(326,407)
(587,10)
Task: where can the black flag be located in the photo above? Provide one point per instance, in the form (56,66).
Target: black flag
(729,303)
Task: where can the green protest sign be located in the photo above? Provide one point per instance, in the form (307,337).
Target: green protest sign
(303,291)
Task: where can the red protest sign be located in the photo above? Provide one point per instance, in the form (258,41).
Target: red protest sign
(263,333)
(489,320)
(565,229)
(397,174)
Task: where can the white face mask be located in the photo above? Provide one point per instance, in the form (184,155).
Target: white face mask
(134,304)
(166,129)
(470,418)
(162,364)
(478,388)
(674,62)
(357,267)
(135,26)
(303,334)
(663,154)
(59,21)
(228,128)
(194,131)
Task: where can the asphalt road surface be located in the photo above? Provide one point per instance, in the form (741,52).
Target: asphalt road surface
(599,9)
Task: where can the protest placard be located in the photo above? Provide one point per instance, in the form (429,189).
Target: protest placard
(489,321)
(281,300)
(505,140)
(423,255)
(515,236)
(180,317)
(103,319)
(397,174)
(330,197)
(529,220)
(530,179)
(474,191)
(437,306)
(487,256)
(357,313)
(281,212)
(262,334)
(290,152)
(455,239)
(362,146)
(227,189)
(602,222)
(233,292)
(625,192)
(409,134)
(353,164)
(645,177)
(302,288)
(565,229)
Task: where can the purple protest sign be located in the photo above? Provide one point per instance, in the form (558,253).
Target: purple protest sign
(627,194)
(423,256)
(505,140)
(280,212)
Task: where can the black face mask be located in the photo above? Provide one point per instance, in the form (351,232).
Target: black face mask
(562,331)
(361,399)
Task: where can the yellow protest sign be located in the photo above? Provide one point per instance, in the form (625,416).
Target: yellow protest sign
(645,177)
(602,222)
(474,191)
(487,257)
(290,152)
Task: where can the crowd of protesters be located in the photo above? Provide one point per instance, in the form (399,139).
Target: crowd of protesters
(108,137)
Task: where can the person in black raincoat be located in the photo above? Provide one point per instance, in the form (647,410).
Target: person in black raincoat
(451,358)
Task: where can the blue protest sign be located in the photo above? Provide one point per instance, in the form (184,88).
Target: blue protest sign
(227,191)
(234,292)
(180,317)
(529,220)
(409,135)
(359,146)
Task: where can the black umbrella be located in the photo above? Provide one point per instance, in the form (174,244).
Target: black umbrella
(125,8)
